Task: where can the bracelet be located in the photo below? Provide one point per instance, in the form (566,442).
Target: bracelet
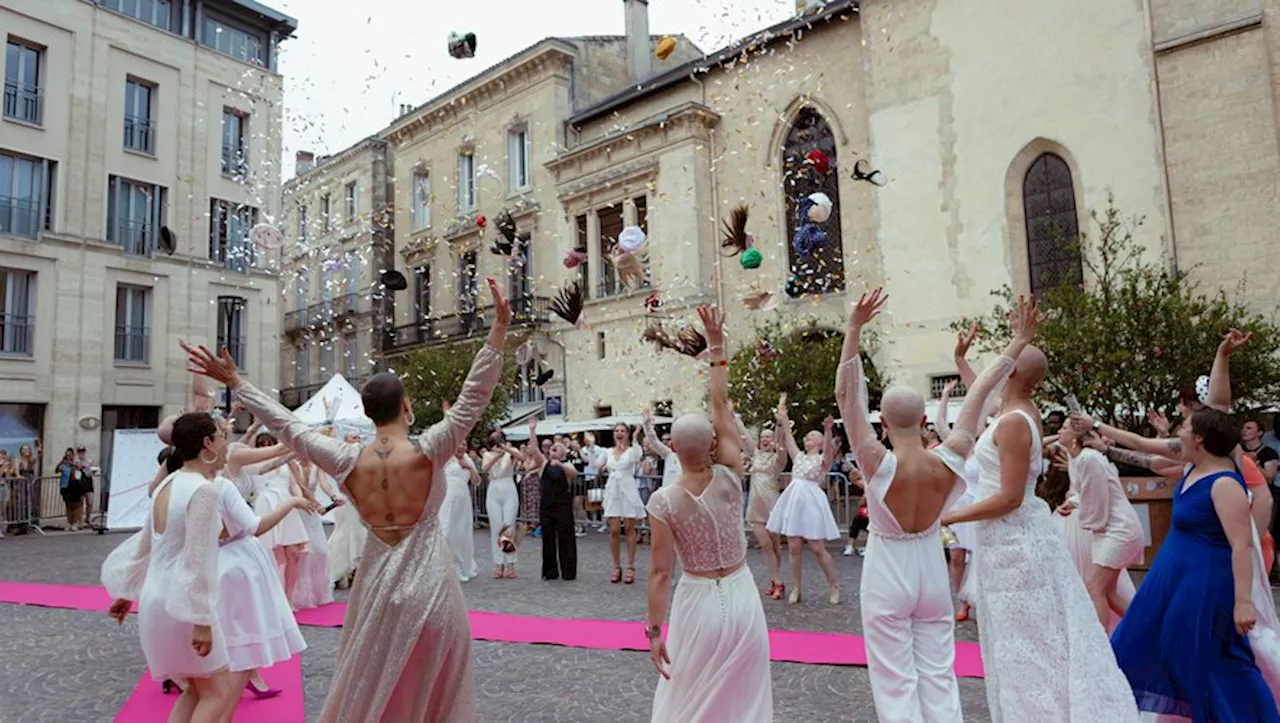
(718,363)
(653,632)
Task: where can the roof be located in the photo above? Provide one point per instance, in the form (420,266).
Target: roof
(282,21)
(323,162)
(773,34)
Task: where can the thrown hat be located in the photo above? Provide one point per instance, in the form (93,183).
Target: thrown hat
(1202,389)
(819,160)
(462,46)
(820,210)
(631,238)
(751,259)
(394,280)
(665,48)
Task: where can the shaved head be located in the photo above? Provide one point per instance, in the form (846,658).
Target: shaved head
(902,408)
(692,437)
(1030,368)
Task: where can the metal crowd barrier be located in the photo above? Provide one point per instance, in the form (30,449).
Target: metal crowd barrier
(20,505)
(842,494)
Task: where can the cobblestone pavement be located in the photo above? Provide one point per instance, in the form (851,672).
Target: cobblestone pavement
(64,666)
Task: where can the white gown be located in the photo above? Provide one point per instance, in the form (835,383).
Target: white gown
(347,541)
(253,611)
(802,509)
(174,578)
(622,490)
(457,517)
(502,504)
(313,587)
(1046,656)
(717,638)
(270,490)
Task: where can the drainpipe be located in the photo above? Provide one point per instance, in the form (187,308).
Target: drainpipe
(715,196)
(1164,148)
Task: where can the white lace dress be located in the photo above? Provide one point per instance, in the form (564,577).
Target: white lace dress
(313,587)
(1046,656)
(622,491)
(173,575)
(802,510)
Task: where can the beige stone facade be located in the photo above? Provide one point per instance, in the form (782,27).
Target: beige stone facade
(995,129)
(120,134)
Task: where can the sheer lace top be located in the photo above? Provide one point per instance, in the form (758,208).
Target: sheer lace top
(338,458)
(766,466)
(238,518)
(708,527)
(626,466)
(504,468)
(808,466)
(182,562)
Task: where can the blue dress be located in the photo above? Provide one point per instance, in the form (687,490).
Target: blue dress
(1177,644)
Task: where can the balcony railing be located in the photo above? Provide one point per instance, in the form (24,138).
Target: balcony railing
(139,134)
(133,344)
(19,216)
(525,311)
(613,287)
(15,334)
(233,163)
(294,397)
(23,102)
(325,312)
(132,236)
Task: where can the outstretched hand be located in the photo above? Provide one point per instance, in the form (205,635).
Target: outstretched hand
(1233,341)
(713,322)
(501,316)
(1026,318)
(220,367)
(964,340)
(1158,422)
(949,388)
(867,308)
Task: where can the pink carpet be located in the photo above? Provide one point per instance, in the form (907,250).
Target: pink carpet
(149,704)
(789,646)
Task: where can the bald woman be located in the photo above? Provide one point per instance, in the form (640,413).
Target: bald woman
(906,594)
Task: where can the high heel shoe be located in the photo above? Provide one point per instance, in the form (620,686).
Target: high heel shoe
(769,591)
(262,694)
(779,592)
(170,687)
(834,598)
(795,597)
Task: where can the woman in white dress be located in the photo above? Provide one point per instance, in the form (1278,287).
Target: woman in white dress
(287,540)
(502,503)
(170,568)
(802,513)
(349,535)
(1104,520)
(715,660)
(1045,656)
(623,508)
(457,516)
(766,463)
(313,587)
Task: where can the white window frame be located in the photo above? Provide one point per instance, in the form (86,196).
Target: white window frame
(143,95)
(519,159)
(467,200)
(17,74)
(17,327)
(421,200)
(353,201)
(137,317)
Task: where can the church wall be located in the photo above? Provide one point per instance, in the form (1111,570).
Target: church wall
(955,92)
(1171,19)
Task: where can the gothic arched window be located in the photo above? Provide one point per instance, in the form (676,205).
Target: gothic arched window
(1053,229)
(824,271)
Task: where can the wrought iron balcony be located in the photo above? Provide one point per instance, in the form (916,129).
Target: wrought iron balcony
(526,311)
(23,102)
(19,216)
(15,334)
(326,312)
(133,344)
(139,134)
(135,237)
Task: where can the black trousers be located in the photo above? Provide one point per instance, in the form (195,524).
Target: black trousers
(559,546)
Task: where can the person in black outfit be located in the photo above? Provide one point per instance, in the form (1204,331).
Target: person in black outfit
(555,510)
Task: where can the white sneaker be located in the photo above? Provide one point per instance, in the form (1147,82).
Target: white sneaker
(848,550)
(862,552)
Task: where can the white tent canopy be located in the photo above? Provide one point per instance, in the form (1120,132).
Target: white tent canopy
(518,432)
(347,411)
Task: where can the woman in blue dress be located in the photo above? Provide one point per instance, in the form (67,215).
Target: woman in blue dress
(1182,642)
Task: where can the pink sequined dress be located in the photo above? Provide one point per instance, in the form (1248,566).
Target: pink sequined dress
(717,639)
(405,653)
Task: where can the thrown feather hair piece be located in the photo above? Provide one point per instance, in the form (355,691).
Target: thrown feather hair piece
(736,238)
(692,342)
(659,336)
(568,303)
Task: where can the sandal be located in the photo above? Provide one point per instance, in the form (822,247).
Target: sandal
(780,591)
(497,573)
(631,576)
(511,572)
(617,575)
(773,587)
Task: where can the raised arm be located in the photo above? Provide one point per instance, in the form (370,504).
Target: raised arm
(1220,374)
(728,443)
(1163,466)
(964,340)
(748,445)
(240,456)
(1025,319)
(444,436)
(851,386)
(1170,448)
(539,461)
(943,425)
(1013,441)
(651,437)
(783,431)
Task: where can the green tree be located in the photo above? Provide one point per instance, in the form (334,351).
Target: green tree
(434,374)
(1137,332)
(804,368)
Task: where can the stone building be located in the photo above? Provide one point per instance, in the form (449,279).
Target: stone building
(997,128)
(138,145)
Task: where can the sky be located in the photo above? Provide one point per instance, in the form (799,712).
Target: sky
(353,63)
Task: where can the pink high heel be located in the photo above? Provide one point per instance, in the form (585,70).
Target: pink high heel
(262,694)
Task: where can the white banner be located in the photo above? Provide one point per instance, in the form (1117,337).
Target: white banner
(133,466)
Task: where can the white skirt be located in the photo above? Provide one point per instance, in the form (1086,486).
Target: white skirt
(719,648)
(290,531)
(166,641)
(313,587)
(802,511)
(457,517)
(252,608)
(622,498)
(346,543)
(1079,542)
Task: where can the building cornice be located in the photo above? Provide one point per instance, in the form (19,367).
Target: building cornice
(611,180)
(687,120)
(548,58)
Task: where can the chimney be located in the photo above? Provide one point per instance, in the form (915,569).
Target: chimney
(639,47)
(305,161)
(405,109)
